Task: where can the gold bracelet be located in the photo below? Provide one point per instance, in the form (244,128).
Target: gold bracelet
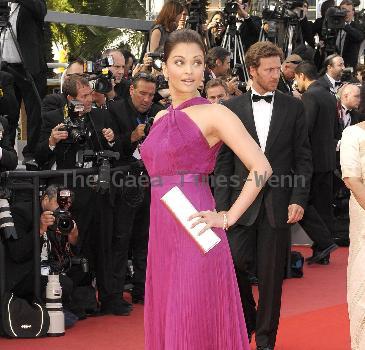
(225,221)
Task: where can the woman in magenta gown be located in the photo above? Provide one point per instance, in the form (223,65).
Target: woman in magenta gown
(192,300)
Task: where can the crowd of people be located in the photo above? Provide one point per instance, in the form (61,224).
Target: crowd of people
(296,122)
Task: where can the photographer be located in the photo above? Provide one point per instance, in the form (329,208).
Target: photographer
(133,117)
(216,91)
(350,37)
(249,26)
(216,29)
(120,85)
(287,75)
(218,65)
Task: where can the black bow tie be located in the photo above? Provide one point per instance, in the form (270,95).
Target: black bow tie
(346,112)
(257,98)
(338,83)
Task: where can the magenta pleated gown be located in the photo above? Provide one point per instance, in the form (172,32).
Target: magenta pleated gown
(192,300)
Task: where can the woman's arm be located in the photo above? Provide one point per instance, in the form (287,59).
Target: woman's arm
(155,40)
(229,128)
(355,185)
(222,124)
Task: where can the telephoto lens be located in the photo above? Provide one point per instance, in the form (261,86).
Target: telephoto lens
(54,307)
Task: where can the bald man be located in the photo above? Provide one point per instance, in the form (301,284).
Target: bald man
(350,101)
(288,73)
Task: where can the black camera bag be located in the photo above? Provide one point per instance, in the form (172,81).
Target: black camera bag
(21,319)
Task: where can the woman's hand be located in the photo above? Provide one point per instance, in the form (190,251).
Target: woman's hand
(210,218)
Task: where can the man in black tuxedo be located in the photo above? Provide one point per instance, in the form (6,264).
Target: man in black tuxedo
(321,114)
(331,80)
(277,122)
(350,37)
(131,117)
(27,21)
(56,149)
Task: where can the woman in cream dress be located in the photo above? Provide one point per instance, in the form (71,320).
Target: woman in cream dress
(353,174)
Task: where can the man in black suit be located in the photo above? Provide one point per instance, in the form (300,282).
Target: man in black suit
(277,122)
(131,117)
(57,149)
(27,21)
(350,37)
(321,114)
(333,68)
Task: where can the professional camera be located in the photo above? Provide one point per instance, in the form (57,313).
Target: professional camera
(335,18)
(238,71)
(283,10)
(63,219)
(161,82)
(4,13)
(99,74)
(197,15)
(157,60)
(148,125)
(102,159)
(54,306)
(74,124)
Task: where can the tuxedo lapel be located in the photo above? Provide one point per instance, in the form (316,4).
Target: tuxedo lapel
(247,116)
(277,120)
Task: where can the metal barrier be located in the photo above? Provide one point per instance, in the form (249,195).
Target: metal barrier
(34,177)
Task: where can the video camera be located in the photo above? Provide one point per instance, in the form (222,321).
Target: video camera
(334,21)
(63,219)
(102,159)
(197,14)
(99,74)
(283,10)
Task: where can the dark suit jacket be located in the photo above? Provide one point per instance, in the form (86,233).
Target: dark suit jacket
(288,152)
(324,82)
(285,86)
(351,46)
(250,31)
(9,159)
(321,114)
(64,154)
(125,118)
(30,34)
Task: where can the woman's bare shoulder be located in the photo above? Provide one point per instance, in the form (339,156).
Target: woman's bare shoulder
(160,114)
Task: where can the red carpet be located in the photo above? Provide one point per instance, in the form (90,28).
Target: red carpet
(314,317)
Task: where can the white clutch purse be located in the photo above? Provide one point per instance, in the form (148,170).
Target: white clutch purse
(180,206)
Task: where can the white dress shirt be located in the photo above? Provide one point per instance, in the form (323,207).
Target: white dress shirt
(262,112)
(10,53)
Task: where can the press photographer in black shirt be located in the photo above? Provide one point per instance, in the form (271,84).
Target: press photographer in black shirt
(66,132)
(133,118)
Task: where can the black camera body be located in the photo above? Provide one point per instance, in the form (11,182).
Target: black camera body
(335,18)
(157,58)
(63,218)
(282,10)
(148,125)
(77,133)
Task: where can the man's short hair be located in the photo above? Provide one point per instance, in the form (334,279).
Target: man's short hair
(216,53)
(294,58)
(73,84)
(214,83)
(109,52)
(308,69)
(50,192)
(262,49)
(346,2)
(143,76)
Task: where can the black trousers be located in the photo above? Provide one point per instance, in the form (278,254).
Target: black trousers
(317,221)
(271,251)
(24,91)
(131,232)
